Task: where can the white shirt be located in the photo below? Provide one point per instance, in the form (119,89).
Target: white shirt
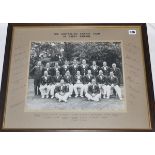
(75,66)
(94,67)
(105,68)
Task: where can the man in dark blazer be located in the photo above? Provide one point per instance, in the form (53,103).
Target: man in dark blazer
(87,79)
(61,91)
(37,74)
(55,81)
(68,78)
(64,68)
(56,68)
(101,80)
(94,69)
(45,85)
(112,82)
(74,68)
(57,78)
(105,69)
(93,91)
(48,68)
(84,68)
(116,72)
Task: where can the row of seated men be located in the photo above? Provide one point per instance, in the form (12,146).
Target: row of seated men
(63,87)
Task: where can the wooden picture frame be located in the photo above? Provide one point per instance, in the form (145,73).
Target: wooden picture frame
(147,70)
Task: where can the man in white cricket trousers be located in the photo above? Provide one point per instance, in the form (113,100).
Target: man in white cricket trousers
(55,81)
(102,82)
(78,83)
(69,82)
(62,92)
(113,83)
(87,80)
(93,93)
(45,85)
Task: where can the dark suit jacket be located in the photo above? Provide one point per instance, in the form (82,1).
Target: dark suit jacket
(105,71)
(57,79)
(87,79)
(117,73)
(94,71)
(46,80)
(68,79)
(73,70)
(93,90)
(101,79)
(83,70)
(49,70)
(53,70)
(63,70)
(37,72)
(76,78)
(113,80)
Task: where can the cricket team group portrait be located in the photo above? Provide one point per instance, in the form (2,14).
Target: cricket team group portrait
(75,75)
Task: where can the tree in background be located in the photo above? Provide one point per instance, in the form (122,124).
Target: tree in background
(59,51)
(99,51)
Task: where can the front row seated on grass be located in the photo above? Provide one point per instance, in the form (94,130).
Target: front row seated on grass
(62,91)
(93,88)
(93,92)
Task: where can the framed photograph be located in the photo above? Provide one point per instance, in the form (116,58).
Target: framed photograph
(77,77)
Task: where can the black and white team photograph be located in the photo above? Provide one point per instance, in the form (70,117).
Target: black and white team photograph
(75,76)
